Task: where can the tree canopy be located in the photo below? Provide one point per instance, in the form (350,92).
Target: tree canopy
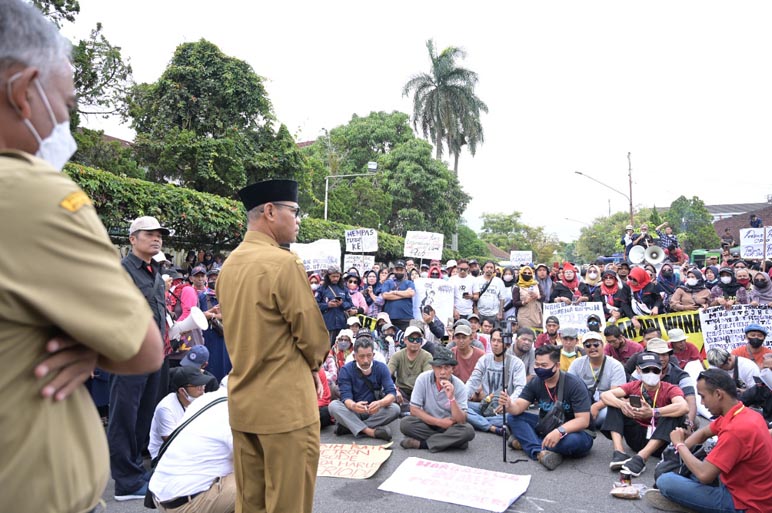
(693,224)
(508,232)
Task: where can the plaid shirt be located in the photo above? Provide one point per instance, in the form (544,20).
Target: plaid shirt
(665,240)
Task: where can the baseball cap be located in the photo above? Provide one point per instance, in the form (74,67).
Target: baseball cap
(756,327)
(463,329)
(629,227)
(676,335)
(451,263)
(196,357)
(333,269)
(647,359)
(148,223)
(213,271)
(199,269)
(569,333)
(413,329)
(188,377)
(657,345)
(592,335)
(353,320)
(383,316)
(387,326)
(443,356)
(399,264)
(552,319)
(473,316)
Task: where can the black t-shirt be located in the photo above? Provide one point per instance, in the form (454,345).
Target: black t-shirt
(576,397)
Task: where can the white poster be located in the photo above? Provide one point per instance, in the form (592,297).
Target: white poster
(726,328)
(752,242)
(362,240)
(436,293)
(361,262)
(520,258)
(456,484)
(318,255)
(427,245)
(575,316)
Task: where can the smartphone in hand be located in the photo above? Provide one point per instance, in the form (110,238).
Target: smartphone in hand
(635,401)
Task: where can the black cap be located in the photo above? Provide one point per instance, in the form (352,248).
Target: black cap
(553,319)
(473,261)
(268,191)
(399,263)
(648,359)
(188,376)
(443,356)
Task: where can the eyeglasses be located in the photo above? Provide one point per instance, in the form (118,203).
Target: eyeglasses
(588,345)
(651,370)
(414,340)
(295,210)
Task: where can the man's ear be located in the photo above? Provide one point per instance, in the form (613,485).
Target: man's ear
(18,91)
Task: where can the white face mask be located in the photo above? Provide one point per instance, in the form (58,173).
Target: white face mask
(691,282)
(59,146)
(592,276)
(650,379)
(726,279)
(507,278)
(314,286)
(424,275)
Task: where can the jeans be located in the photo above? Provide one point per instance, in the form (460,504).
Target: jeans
(689,492)
(523,427)
(479,422)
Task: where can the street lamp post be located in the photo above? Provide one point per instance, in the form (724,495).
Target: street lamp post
(630,181)
(372,167)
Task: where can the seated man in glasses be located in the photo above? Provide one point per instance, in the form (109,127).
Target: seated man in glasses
(642,413)
(408,363)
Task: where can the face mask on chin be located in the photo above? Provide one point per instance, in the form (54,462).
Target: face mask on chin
(59,146)
(650,379)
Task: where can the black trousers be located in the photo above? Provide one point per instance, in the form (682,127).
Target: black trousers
(635,434)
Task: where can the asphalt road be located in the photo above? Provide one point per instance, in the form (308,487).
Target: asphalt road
(577,486)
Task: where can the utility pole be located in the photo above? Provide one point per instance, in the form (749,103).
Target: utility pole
(630,182)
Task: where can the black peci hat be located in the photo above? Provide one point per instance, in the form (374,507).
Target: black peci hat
(271,190)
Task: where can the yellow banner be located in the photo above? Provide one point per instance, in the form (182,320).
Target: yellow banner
(688,321)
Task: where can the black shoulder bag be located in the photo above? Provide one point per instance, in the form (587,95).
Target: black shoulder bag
(377,394)
(556,416)
(149,495)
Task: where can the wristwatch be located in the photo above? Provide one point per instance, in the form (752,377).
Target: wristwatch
(655,413)
(562,431)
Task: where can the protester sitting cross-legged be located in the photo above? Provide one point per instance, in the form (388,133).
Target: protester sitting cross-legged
(367,395)
(554,433)
(407,364)
(645,420)
(438,408)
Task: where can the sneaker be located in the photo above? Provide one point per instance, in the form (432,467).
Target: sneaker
(550,459)
(514,443)
(340,430)
(410,443)
(617,460)
(658,501)
(498,431)
(383,433)
(635,466)
(138,494)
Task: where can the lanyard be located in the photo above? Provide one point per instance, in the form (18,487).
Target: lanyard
(554,399)
(654,403)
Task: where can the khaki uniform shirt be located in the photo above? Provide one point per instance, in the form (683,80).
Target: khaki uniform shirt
(59,274)
(275,335)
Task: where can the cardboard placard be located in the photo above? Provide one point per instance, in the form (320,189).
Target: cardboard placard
(426,245)
(574,316)
(726,328)
(520,258)
(362,240)
(351,461)
(437,293)
(361,262)
(318,255)
(752,242)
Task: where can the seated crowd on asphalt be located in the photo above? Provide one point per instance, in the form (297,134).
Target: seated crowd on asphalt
(497,366)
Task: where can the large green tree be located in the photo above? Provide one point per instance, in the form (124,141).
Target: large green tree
(693,224)
(508,232)
(603,237)
(445,105)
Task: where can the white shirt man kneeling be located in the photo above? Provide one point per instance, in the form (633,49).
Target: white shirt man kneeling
(195,474)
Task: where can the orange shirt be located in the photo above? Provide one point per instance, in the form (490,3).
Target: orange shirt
(757,357)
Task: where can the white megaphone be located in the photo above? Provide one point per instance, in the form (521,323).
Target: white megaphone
(654,255)
(637,254)
(196,320)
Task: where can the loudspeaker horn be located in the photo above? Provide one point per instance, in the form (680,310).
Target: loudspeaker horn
(637,254)
(196,320)
(654,255)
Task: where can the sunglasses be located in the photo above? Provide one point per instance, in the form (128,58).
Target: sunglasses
(414,340)
(651,370)
(588,345)
(353,281)
(463,269)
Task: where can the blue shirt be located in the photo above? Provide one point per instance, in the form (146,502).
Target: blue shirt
(352,384)
(398,308)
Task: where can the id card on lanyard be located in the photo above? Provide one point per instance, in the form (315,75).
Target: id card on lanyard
(652,422)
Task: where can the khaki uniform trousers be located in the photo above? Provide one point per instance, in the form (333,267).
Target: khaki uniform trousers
(276,473)
(220,498)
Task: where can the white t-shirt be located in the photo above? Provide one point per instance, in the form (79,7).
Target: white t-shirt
(460,286)
(166,417)
(200,453)
(490,300)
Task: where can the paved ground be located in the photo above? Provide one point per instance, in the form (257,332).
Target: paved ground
(577,486)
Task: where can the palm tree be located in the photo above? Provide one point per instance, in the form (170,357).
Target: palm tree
(445,104)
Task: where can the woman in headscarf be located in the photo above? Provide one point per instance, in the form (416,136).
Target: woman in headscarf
(727,291)
(527,297)
(667,284)
(711,276)
(692,295)
(592,280)
(644,298)
(614,296)
(509,278)
(761,294)
(372,293)
(334,302)
(545,279)
(569,289)
(336,358)
(352,282)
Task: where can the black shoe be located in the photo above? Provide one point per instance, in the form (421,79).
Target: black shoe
(617,460)
(635,466)
(340,430)
(384,433)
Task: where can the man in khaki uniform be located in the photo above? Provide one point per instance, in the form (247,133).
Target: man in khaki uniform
(61,286)
(276,338)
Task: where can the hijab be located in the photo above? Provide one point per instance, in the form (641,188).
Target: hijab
(526,284)
(572,285)
(762,296)
(590,281)
(700,282)
(729,289)
(641,276)
(667,284)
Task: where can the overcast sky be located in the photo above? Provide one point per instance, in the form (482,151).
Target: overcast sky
(684,86)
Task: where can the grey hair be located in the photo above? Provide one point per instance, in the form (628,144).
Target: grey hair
(29,39)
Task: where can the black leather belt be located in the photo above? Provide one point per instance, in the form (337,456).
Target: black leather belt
(179,501)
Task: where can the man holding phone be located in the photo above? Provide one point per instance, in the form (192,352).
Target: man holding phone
(642,413)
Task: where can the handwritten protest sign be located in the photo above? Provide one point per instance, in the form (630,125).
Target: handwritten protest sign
(351,461)
(752,242)
(689,321)
(520,258)
(318,255)
(575,316)
(456,484)
(362,240)
(361,262)
(436,293)
(725,328)
(424,245)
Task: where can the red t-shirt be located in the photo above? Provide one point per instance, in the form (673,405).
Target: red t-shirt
(663,397)
(465,366)
(757,357)
(743,454)
(628,350)
(689,354)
